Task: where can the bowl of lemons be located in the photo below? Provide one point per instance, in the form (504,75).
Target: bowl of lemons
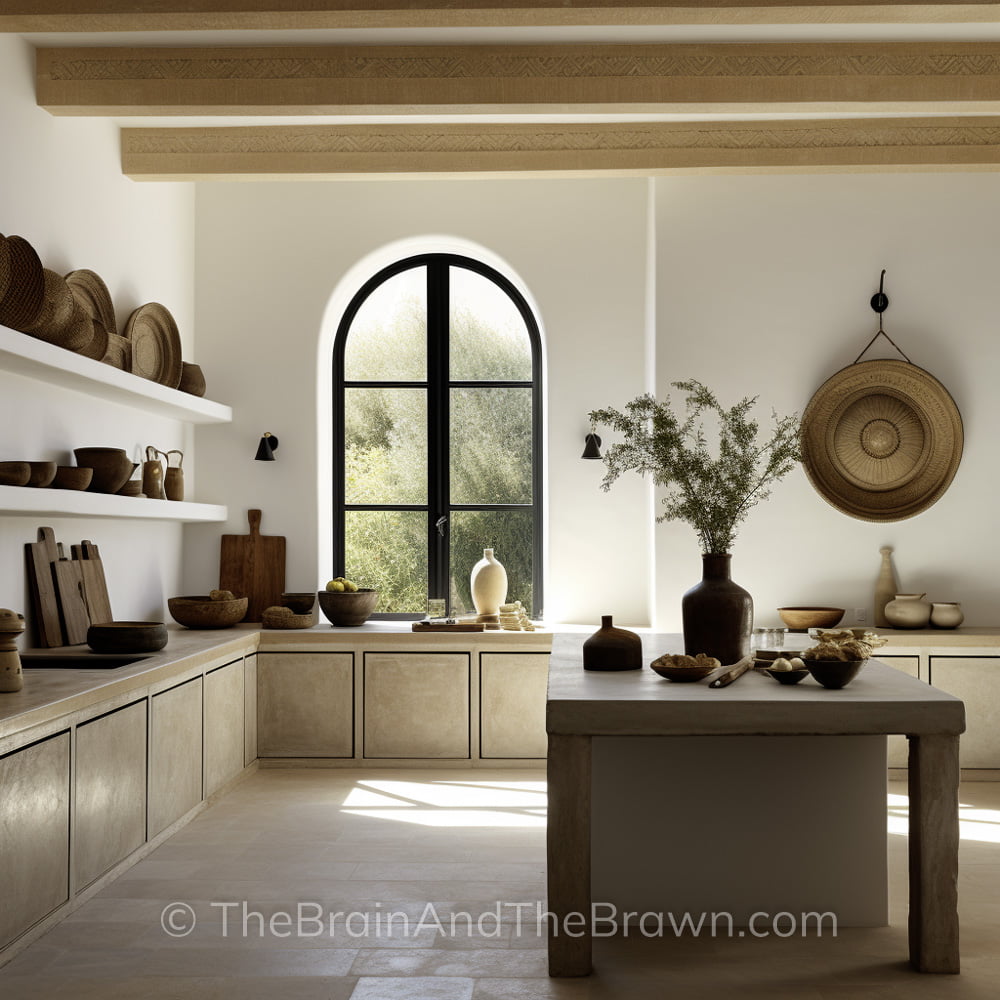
(345,604)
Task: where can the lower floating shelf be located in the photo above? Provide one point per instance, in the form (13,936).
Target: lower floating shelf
(77,503)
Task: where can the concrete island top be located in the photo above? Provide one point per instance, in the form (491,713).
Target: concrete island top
(881,699)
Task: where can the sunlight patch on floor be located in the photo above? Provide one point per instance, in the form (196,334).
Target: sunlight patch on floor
(469,803)
(981,825)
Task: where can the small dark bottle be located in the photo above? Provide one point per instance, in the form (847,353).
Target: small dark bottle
(611,648)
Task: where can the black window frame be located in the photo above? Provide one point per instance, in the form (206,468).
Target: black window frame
(438,386)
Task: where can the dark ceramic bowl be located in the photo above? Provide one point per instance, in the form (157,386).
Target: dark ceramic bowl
(71,477)
(202,612)
(348,610)
(672,672)
(299,603)
(834,673)
(127,637)
(787,676)
(42,474)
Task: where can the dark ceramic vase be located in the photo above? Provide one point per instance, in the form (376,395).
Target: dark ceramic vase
(717,614)
(611,648)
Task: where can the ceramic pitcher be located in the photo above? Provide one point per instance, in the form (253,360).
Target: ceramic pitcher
(173,477)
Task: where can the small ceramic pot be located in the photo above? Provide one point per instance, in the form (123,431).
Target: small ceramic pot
(946,615)
(908,611)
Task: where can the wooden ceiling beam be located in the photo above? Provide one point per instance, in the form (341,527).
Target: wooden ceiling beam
(540,79)
(355,151)
(275,15)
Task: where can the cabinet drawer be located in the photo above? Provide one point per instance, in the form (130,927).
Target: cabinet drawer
(110,790)
(976,680)
(34,834)
(175,754)
(305,704)
(512,690)
(416,705)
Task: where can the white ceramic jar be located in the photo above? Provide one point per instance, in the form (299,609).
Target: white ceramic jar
(908,611)
(947,614)
(488,584)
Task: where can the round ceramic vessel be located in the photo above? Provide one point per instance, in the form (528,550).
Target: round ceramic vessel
(908,611)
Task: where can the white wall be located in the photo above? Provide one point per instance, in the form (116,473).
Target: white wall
(764,288)
(62,189)
(269,256)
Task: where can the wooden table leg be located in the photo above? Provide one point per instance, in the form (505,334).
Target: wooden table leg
(568,849)
(933,787)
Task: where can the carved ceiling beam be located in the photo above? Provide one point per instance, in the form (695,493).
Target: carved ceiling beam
(194,15)
(353,151)
(539,79)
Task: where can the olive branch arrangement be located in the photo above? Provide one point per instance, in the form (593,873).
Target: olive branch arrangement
(712,494)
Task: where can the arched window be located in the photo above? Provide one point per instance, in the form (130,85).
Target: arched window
(437,435)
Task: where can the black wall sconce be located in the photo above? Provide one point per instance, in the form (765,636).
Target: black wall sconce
(592,446)
(266,449)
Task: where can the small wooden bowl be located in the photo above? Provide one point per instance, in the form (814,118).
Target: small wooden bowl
(202,612)
(132,488)
(192,379)
(42,474)
(348,610)
(72,477)
(127,637)
(112,467)
(803,618)
(14,473)
(665,667)
(300,603)
(787,676)
(834,673)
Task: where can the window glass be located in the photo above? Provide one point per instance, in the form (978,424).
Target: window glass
(387,550)
(490,445)
(509,534)
(388,341)
(488,338)
(385,446)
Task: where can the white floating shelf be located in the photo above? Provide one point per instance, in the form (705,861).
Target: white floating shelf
(24,355)
(79,503)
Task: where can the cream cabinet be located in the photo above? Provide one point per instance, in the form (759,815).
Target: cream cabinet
(110,801)
(974,679)
(175,754)
(34,834)
(416,705)
(898,748)
(512,690)
(225,742)
(305,704)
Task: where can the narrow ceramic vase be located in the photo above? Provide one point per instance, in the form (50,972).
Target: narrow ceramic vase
(488,584)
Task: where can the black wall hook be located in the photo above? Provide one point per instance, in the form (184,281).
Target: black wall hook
(880,301)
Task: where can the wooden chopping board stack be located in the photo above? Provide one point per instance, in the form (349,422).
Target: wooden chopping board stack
(253,566)
(67,595)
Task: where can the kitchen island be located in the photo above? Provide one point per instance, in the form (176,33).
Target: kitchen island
(584,707)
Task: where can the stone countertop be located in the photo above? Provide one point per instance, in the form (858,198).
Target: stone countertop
(641,703)
(51,693)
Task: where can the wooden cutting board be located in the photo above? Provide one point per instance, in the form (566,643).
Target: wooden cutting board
(253,566)
(95,587)
(40,557)
(72,606)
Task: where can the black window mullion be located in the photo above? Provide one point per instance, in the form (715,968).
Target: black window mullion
(437,429)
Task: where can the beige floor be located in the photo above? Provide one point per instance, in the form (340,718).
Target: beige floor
(371,843)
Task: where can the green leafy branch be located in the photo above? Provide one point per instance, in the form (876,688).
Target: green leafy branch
(713,494)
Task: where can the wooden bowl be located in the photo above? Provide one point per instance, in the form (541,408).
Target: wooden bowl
(202,612)
(803,618)
(14,473)
(300,603)
(112,467)
(127,637)
(834,673)
(42,474)
(348,610)
(72,477)
(665,667)
(787,676)
(192,379)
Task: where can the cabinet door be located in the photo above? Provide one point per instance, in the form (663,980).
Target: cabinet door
(898,747)
(249,709)
(512,704)
(974,679)
(224,737)
(34,834)
(416,705)
(110,791)
(175,757)
(305,704)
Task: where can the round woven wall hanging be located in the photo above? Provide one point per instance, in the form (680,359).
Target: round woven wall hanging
(881,440)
